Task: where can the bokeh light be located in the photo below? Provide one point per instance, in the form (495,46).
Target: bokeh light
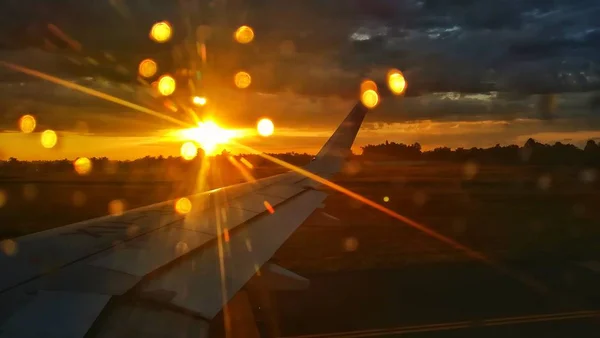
(386,199)
(368,85)
(116,208)
(82,165)
(30,192)
(420,198)
(27,124)
(287,48)
(369,98)
(8,247)
(244,34)
(350,244)
(188,151)
(161,31)
(199,100)
(470,170)
(78,198)
(3,198)
(265,127)
(396,82)
(49,138)
(166,85)
(147,68)
(242,80)
(183,206)
(181,248)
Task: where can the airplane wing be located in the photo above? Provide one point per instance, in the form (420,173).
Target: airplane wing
(152,272)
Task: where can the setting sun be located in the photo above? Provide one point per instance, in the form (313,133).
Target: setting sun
(208,135)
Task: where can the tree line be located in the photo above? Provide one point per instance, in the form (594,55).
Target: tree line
(532,152)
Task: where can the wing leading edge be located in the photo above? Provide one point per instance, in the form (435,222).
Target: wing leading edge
(173,276)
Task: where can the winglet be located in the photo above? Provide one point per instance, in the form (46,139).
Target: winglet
(331,157)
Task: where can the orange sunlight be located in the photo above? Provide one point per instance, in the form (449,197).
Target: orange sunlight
(208,135)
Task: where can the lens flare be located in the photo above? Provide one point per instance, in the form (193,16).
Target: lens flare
(27,124)
(166,85)
(161,32)
(188,151)
(244,34)
(265,127)
(49,139)
(82,165)
(208,135)
(369,98)
(242,80)
(396,82)
(147,68)
(199,100)
(183,206)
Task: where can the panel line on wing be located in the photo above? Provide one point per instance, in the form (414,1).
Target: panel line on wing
(47,272)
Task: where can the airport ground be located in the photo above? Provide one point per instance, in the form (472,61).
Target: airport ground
(372,275)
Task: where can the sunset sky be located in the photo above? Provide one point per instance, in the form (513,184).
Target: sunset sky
(479,73)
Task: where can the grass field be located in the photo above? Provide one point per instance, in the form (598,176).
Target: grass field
(505,212)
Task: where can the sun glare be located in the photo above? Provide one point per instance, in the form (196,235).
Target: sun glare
(209,135)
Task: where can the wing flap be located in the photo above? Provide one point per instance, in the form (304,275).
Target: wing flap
(145,254)
(196,282)
(55,315)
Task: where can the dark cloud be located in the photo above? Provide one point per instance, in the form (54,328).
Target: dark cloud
(529,58)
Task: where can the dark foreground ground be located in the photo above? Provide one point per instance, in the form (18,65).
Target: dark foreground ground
(371,275)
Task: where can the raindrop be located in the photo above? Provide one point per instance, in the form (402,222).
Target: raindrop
(470,170)
(8,247)
(27,124)
(78,198)
(133,230)
(30,192)
(3,198)
(420,198)
(588,175)
(116,207)
(287,48)
(544,182)
(183,206)
(181,248)
(82,166)
(351,168)
(244,35)
(350,244)
(49,139)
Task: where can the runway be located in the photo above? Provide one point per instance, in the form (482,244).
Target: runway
(446,300)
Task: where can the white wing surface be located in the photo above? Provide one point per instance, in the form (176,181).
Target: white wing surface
(152,272)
